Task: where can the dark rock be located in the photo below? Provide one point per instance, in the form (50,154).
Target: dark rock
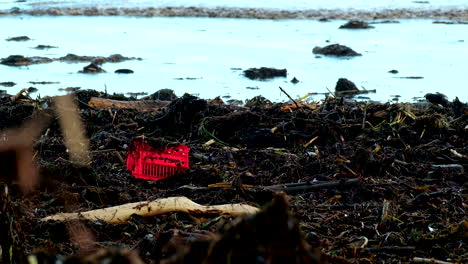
(19,60)
(69,89)
(96,60)
(324,19)
(76,58)
(335,50)
(393,71)
(44,47)
(356,24)
(20,38)
(163,95)
(7,84)
(412,77)
(294,80)
(92,68)
(124,71)
(264,73)
(44,83)
(257,101)
(32,90)
(345,85)
(252,88)
(386,22)
(136,94)
(437,98)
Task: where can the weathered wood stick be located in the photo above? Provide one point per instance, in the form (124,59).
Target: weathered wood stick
(121,214)
(308,186)
(101,103)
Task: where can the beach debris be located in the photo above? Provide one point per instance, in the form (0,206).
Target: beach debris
(20,60)
(335,50)
(356,24)
(149,163)
(437,98)
(264,73)
(45,47)
(92,68)
(20,38)
(124,71)
(102,103)
(122,213)
(294,80)
(7,84)
(257,101)
(163,95)
(216,101)
(393,71)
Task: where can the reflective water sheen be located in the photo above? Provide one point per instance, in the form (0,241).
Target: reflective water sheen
(208,49)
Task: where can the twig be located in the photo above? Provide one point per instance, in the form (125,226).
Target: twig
(332,93)
(120,158)
(308,186)
(310,142)
(429,260)
(364,117)
(289,97)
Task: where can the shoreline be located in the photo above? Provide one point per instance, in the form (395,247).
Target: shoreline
(254,13)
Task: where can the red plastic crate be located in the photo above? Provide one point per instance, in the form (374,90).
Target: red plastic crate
(147,163)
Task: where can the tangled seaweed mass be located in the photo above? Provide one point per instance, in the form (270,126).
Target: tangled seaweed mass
(359,182)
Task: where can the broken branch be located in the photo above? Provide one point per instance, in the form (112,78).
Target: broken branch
(120,214)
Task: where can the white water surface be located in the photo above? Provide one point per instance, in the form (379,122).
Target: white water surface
(269,4)
(208,49)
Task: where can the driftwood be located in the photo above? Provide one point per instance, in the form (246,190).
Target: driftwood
(100,103)
(121,213)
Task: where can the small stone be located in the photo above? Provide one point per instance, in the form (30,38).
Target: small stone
(92,68)
(294,80)
(124,71)
(356,24)
(393,71)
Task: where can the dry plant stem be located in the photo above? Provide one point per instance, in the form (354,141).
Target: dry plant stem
(289,97)
(429,260)
(72,129)
(121,213)
(307,186)
(101,103)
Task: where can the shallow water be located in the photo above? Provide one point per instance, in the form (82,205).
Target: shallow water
(208,49)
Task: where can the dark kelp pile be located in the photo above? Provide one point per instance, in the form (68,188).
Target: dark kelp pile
(364,183)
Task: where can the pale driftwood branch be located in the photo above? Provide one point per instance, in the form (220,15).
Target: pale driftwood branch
(121,213)
(101,103)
